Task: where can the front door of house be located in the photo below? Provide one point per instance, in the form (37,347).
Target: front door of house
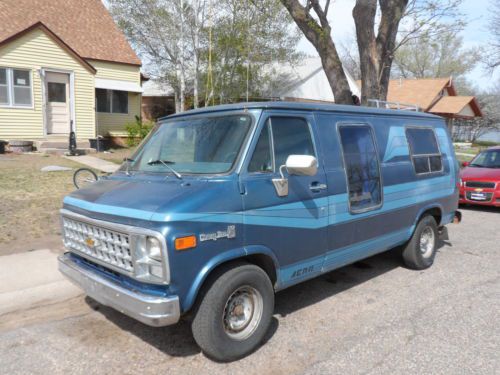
(58,103)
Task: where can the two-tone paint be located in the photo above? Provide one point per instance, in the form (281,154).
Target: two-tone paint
(299,236)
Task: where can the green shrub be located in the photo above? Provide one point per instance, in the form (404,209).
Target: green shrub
(137,131)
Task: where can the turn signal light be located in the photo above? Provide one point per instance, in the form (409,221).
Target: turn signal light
(184,243)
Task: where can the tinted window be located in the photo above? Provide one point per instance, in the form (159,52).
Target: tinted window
(424,150)
(291,136)
(120,102)
(362,167)
(4,90)
(261,159)
(3,76)
(103,98)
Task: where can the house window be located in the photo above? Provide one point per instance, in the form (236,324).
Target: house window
(111,101)
(362,167)
(56,92)
(424,150)
(15,87)
(4,88)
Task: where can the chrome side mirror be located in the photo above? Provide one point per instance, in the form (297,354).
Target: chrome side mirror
(300,165)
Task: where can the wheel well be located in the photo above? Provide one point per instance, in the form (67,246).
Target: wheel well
(435,212)
(265,262)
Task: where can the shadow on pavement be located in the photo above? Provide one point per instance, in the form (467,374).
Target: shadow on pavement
(478,208)
(177,340)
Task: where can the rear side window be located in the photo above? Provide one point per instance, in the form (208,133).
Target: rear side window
(424,150)
(290,136)
(362,167)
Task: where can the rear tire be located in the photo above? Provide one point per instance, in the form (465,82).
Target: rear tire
(234,313)
(419,252)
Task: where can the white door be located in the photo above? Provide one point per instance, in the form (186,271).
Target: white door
(57,106)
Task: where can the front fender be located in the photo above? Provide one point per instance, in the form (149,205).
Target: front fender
(227,256)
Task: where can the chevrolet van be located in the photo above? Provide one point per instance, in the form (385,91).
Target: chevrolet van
(221,207)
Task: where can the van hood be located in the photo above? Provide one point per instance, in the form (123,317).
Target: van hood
(151,198)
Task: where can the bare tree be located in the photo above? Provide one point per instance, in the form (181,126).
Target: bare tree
(492,59)
(312,19)
(382,26)
(443,56)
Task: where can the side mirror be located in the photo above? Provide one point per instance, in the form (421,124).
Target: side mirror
(465,164)
(299,165)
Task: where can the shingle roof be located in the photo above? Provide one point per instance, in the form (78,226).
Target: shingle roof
(420,92)
(455,104)
(84,25)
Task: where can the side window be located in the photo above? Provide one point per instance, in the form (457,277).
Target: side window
(261,159)
(291,136)
(362,167)
(424,150)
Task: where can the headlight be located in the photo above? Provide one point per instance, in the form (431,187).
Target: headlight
(461,182)
(153,248)
(149,262)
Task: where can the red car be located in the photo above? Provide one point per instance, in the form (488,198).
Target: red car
(480,179)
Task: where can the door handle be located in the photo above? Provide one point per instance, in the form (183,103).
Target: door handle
(317,187)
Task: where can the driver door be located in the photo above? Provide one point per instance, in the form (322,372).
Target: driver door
(293,227)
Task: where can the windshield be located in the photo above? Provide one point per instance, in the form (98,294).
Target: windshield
(487,159)
(207,145)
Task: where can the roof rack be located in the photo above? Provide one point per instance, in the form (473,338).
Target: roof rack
(393,105)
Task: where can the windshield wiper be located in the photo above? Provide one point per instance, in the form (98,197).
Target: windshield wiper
(477,165)
(166,164)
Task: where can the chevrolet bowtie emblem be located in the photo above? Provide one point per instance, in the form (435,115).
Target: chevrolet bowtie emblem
(89,242)
(478,190)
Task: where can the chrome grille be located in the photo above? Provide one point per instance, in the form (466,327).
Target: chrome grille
(98,243)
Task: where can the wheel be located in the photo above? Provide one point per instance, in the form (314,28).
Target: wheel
(84,177)
(420,251)
(234,313)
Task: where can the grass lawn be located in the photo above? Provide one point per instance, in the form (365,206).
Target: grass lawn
(30,201)
(116,155)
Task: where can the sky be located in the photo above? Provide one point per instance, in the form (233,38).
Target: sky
(475,34)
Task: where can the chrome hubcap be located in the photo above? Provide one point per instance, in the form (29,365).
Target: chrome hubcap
(427,242)
(242,313)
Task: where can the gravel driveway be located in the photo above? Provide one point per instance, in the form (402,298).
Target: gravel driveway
(374,317)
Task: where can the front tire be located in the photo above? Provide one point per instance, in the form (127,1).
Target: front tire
(419,252)
(234,313)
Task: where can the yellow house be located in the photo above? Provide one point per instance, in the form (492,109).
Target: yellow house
(65,65)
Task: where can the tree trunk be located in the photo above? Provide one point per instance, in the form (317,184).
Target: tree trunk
(376,52)
(196,42)
(320,37)
(181,61)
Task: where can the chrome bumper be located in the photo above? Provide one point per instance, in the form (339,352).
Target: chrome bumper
(151,310)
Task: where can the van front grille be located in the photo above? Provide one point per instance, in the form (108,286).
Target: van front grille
(99,244)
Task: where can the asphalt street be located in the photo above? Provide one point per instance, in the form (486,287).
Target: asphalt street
(373,317)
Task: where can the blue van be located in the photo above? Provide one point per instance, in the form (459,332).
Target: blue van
(221,207)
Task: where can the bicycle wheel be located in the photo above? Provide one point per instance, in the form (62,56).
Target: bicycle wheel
(84,177)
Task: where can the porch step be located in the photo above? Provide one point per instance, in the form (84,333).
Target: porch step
(60,146)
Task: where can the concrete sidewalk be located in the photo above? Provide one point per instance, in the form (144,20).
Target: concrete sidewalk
(32,279)
(94,163)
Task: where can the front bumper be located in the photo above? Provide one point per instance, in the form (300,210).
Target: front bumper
(493,201)
(154,311)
